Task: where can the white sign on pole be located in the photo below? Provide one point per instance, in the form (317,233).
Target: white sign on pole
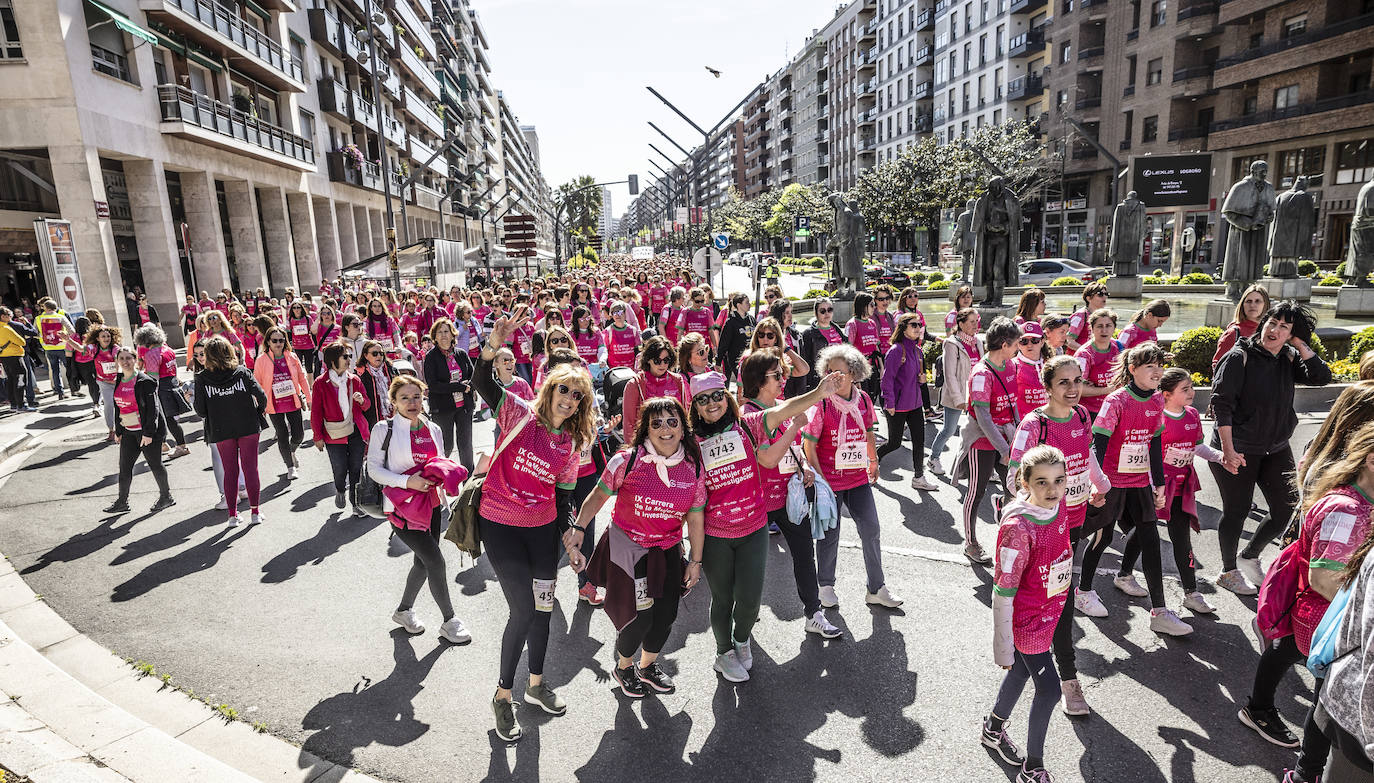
(708,266)
(680,216)
(58,251)
(642,253)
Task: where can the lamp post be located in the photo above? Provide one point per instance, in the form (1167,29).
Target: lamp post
(392,264)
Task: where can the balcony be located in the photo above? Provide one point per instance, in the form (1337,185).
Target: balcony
(1345,38)
(925,20)
(922,123)
(1193,132)
(1092,53)
(333,97)
(393,130)
(195,116)
(869,32)
(922,91)
(867,144)
(1029,86)
(822,160)
(1026,44)
(1193,82)
(1097,9)
(1125,145)
(389,79)
(1027,6)
(1090,102)
(223,29)
(425,197)
(1197,10)
(416,107)
(867,117)
(1085,153)
(343,168)
(421,152)
(411,21)
(327,31)
(363,110)
(419,69)
(1347,101)
(1128,91)
(868,88)
(868,60)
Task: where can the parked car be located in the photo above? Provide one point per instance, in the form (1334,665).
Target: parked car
(1044,271)
(882,274)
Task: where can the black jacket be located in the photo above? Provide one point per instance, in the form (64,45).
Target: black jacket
(439,381)
(231,402)
(149,411)
(374,394)
(812,343)
(734,339)
(1253,394)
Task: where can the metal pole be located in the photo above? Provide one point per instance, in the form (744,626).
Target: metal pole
(381,147)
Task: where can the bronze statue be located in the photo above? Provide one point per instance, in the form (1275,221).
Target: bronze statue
(1359,259)
(996,227)
(1128,236)
(1290,237)
(847,243)
(1249,209)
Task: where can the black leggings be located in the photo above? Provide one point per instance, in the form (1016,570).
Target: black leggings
(802,547)
(85,376)
(456,426)
(981,465)
(308,358)
(915,422)
(1062,644)
(651,626)
(427,565)
(288,442)
(1180,536)
(520,555)
(346,461)
(1134,508)
(129,449)
(1039,666)
(1271,473)
(584,487)
(1275,662)
(14,375)
(173,426)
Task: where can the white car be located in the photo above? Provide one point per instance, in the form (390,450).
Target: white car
(1044,271)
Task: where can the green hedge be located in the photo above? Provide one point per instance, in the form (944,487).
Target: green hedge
(1307,268)
(1194,349)
(938,285)
(1332,280)
(816,293)
(1066,280)
(1362,341)
(936,277)
(1196,278)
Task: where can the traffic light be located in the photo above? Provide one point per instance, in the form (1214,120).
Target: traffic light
(595,242)
(634,184)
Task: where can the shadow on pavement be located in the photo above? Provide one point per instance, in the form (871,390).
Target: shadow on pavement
(332,536)
(171,536)
(201,557)
(85,543)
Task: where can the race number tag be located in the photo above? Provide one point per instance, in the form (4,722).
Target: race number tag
(386,341)
(1135,458)
(543,594)
(1178,455)
(642,598)
(1077,489)
(584,457)
(282,389)
(1060,576)
(107,368)
(852,456)
(788,464)
(526,347)
(723,449)
(129,420)
(299,329)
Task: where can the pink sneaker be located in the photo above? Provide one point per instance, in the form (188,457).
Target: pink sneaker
(591,594)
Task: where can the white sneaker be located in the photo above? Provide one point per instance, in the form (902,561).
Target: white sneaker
(818,623)
(1195,602)
(745,655)
(1236,582)
(1088,603)
(883,598)
(453,631)
(1128,585)
(233,521)
(1252,568)
(729,667)
(291,474)
(295,460)
(257,518)
(828,598)
(922,483)
(934,466)
(1166,622)
(409,620)
(222,505)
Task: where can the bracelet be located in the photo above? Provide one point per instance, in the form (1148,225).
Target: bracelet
(693,562)
(577,527)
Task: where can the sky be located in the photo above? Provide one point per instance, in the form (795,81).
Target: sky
(577,71)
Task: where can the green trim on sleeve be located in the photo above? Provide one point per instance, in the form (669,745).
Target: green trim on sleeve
(1102,431)
(1005,592)
(561,485)
(1329,565)
(702,507)
(980,402)
(811,437)
(601,485)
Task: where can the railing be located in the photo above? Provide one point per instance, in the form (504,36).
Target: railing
(1311,36)
(1124,145)
(867,144)
(1085,153)
(1132,35)
(867,117)
(925,54)
(325,28)
(1192,72)
(419,69)
(425,197)
(110,63)
(394,131)
(1091,102)
(229,25)
(1192,132)
(412,23)
(333,95)
(179,104)
(925,20)
(419,109)
(1023,43)
(1302,109)
(922,91)
(1201,9)
(1128,91)
(342,168)
(1026,6)
(1091,52)
(363,110)
(1020,87)
(823,160)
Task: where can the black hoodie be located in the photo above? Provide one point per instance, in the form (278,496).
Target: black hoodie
(231,402)
(1253,394)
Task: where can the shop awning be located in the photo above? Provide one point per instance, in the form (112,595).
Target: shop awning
(123,22)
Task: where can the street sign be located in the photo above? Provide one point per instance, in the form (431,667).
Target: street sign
(720,241)
(803,226)
(707,266)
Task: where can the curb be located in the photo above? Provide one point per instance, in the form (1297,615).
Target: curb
(14,445)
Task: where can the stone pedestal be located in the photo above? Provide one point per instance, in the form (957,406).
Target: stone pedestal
(1220,312)
(1354,301)
(1125,287)
(1298,288)
(986,313)
(954,287)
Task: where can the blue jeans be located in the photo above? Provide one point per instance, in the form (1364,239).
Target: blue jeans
(30,383)
(951,423)
(57,361)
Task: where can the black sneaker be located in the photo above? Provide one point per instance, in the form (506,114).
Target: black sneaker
(1001,744)
(657,679)
(117,507)
(166,501)
(630,684)
(1269,725)
(339,499)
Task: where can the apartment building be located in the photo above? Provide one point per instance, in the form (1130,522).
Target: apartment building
(781,139)
(809,112)
(197,144)
(758,129)
(906,81)
(852,55)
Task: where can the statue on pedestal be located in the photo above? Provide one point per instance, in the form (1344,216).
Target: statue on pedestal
(1128,236)
(1248,209)
(996,228)
(847,243)
(1290,238)
(962,242)
(1359,260)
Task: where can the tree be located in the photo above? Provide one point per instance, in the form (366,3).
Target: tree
(797,200)
(745,219)
(581,206)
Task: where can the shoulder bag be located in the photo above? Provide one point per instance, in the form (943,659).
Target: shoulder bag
(463,528)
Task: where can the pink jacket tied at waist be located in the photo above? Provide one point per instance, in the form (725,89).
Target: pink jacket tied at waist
(413,509)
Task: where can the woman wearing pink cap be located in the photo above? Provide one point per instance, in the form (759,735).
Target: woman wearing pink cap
(736,518)
(1030,357)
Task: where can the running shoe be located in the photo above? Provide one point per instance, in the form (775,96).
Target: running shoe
(408,620)
(1128,585)
(117,507)
(179,451)
(828,597)
(924,484)
(818,623)
(166,501)
(256,518)
(1269,725)
(1088,603)
(628,680)
(773,529)
(543,697)
(727,663)
(1196,602)
(453,631)
(744,654)
(222,505)
(1236,582)
(339,499)
(655,678)
(234,521)
(291,473)
(590,594)
(934,466)
(883,597)
(1037,775)
(1166,622)
(358,511)
(1251,568)
(975,554)
(507,727)
(1294,776)
(1073,702)
(1001,744)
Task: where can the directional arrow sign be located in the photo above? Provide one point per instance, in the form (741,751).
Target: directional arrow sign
(720,241)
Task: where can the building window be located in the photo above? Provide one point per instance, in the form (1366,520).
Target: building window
(1159,13)
(1354,162)
(1127,123)
(1240,167)
(1294,25)
(1154,71)
(1149,129)
(9,34)
(1065,52)
(1250,105)
(1306,162)
(109,50)
(1286,97)
(307,127)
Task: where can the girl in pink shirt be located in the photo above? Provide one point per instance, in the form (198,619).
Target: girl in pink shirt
(1029,359)
(1098,361)
(654,379)
(1144,326)
(862,333)
(1080,328)
(281,376)
(103,342)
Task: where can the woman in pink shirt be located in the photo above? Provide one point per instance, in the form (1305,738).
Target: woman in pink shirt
(189,312)
(337,423)
(654,379)
(302,343)
(281,376)
(1144,326)
(160,362)
(862,332)
(1097,359)
(383,328)
(1029,359)
(140,428)
(103,342)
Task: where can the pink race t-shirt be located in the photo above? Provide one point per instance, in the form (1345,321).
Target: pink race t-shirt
(1073,436)
(734,483)
(284,397)
(1079,329)
(691,321)
(422,445)
(862,335)
(1035,569)
(1135,334)
(1335,526)
(993,388)
(669,319)
(620,346)
(775,479)
(519,490)
(1098,368)
(127,404)
(1181,436)
(588,345)
(1030,390)
(844,464)
(650,512)
(105,367)
(887,322)
(159,364)
(1130,423)
(455,375)
(832,334)
(520,388)
(300,334)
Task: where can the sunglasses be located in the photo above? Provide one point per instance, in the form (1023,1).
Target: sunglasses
(1030,340)
(698,301)
(913,295)
(276,340)
(565,391)
(711,396)
(883,299)
(670,423)
(769,335)
(914,325)
(559,341)
(660,360)
(775,375)
(824,310)
(374,353)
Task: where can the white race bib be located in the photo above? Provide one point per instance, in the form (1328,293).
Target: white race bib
(299,329)
(723,449)
(282,389)
(107,368)
(1178,455)
(852,456)
(526,347)
(1060,576)
(543,594)
(1135,458)
(788,464)
(386,341)
(642,598)
(1077,489)
(129,420)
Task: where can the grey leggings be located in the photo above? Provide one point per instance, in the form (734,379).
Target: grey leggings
(859,501)
(427,565)
(1039,666)
(107,400)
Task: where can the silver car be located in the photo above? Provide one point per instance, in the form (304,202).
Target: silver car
(1044,271)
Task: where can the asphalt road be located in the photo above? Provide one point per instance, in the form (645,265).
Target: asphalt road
(288,622)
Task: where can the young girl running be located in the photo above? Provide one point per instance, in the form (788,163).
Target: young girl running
(1145,324)
(1034,571)
(1126,442)
(1064,424)
(1182,439)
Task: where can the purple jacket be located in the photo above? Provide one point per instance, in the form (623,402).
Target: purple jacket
(902,376)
